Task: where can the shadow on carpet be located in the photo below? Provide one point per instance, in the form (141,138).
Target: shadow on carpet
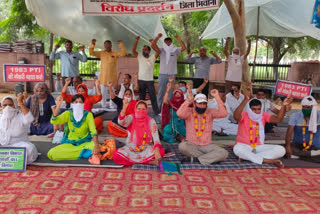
(43,160)
(230,163)
(296,163)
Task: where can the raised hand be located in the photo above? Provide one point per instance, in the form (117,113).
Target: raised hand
(249,41)
(171,79)
(177,37)
(97,82)
(150,40)
(59,100)
(159,35)
(137,38)
(214,93)
(247,93)
(168,87)
(190,98)
(189,86)
(81,48)
(287,101)
(109,84)
(206,80)
(228,39)
(93,41)
(119,41)
(20,98)
(125,103)
(68,81)
(56,47)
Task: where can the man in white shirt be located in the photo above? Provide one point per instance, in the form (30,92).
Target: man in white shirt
(235,61)
(145,76)
(168,63)
(126,85)
(233,100)
(223,126)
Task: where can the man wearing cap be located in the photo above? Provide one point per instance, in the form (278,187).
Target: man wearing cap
(250,137)
(304,126)
(198,119)
(235,61)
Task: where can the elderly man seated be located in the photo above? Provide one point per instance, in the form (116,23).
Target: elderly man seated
(198,121)
(250,138)
(304,126)
(223,126)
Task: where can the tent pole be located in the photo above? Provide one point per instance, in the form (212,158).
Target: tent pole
(256,50)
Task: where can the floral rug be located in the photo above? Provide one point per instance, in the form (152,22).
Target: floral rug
(68,190)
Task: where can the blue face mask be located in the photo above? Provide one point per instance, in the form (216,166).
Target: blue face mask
(183,89)
(145,54)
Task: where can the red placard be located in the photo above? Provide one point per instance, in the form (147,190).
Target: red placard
(296,90)
(24,73)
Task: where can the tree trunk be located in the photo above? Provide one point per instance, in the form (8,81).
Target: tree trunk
(187,39)
(51,64)
(276,44)
(237,13)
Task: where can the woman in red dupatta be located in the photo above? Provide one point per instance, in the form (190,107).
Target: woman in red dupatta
(173,127)
(143,143)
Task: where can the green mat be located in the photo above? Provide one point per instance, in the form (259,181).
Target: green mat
(43,160)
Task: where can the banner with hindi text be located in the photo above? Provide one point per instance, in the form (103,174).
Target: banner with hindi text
(145,7)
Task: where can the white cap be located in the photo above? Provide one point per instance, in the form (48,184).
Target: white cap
(201,98)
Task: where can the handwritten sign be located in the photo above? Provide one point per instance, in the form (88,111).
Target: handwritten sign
(145,7)
(24,73)
(12,159)
(296,90)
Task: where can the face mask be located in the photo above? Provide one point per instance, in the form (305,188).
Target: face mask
(200,110)
(145,54)
(141,114)
(78,109)
(128,98)
(183,89)
(9,112)
(41,96)
(306,112)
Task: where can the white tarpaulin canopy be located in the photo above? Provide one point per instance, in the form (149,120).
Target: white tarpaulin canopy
(64,18)
(278,18)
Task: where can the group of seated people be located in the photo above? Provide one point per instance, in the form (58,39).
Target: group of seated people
(191,119)
(187,118)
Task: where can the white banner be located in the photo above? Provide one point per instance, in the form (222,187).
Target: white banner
(145,7)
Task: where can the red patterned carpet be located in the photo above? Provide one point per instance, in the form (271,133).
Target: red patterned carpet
(84,190)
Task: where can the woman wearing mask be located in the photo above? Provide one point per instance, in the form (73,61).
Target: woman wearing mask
(14,125)
(128,95)
(89,100)
(40,105)
(80,138)
(143,143)
(174,128)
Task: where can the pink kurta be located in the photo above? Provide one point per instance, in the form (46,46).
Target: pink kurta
(128,154)
(187,113)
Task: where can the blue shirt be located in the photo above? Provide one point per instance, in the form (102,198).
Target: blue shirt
(69,62)
(202,65)
(296,120)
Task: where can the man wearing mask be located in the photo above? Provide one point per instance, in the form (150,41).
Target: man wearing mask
(168,63)
(304,126)
(108,71)
(198,119)
(235,61)
(69,60)
(250,137)
(202,64)
(187,86)
(233,99)
(145,76)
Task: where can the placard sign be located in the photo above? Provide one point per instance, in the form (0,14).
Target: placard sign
(145,7)
(24,73)
(12,159)
(296,90)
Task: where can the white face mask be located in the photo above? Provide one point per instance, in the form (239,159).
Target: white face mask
(128,98)
(9,112)
(78,109)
